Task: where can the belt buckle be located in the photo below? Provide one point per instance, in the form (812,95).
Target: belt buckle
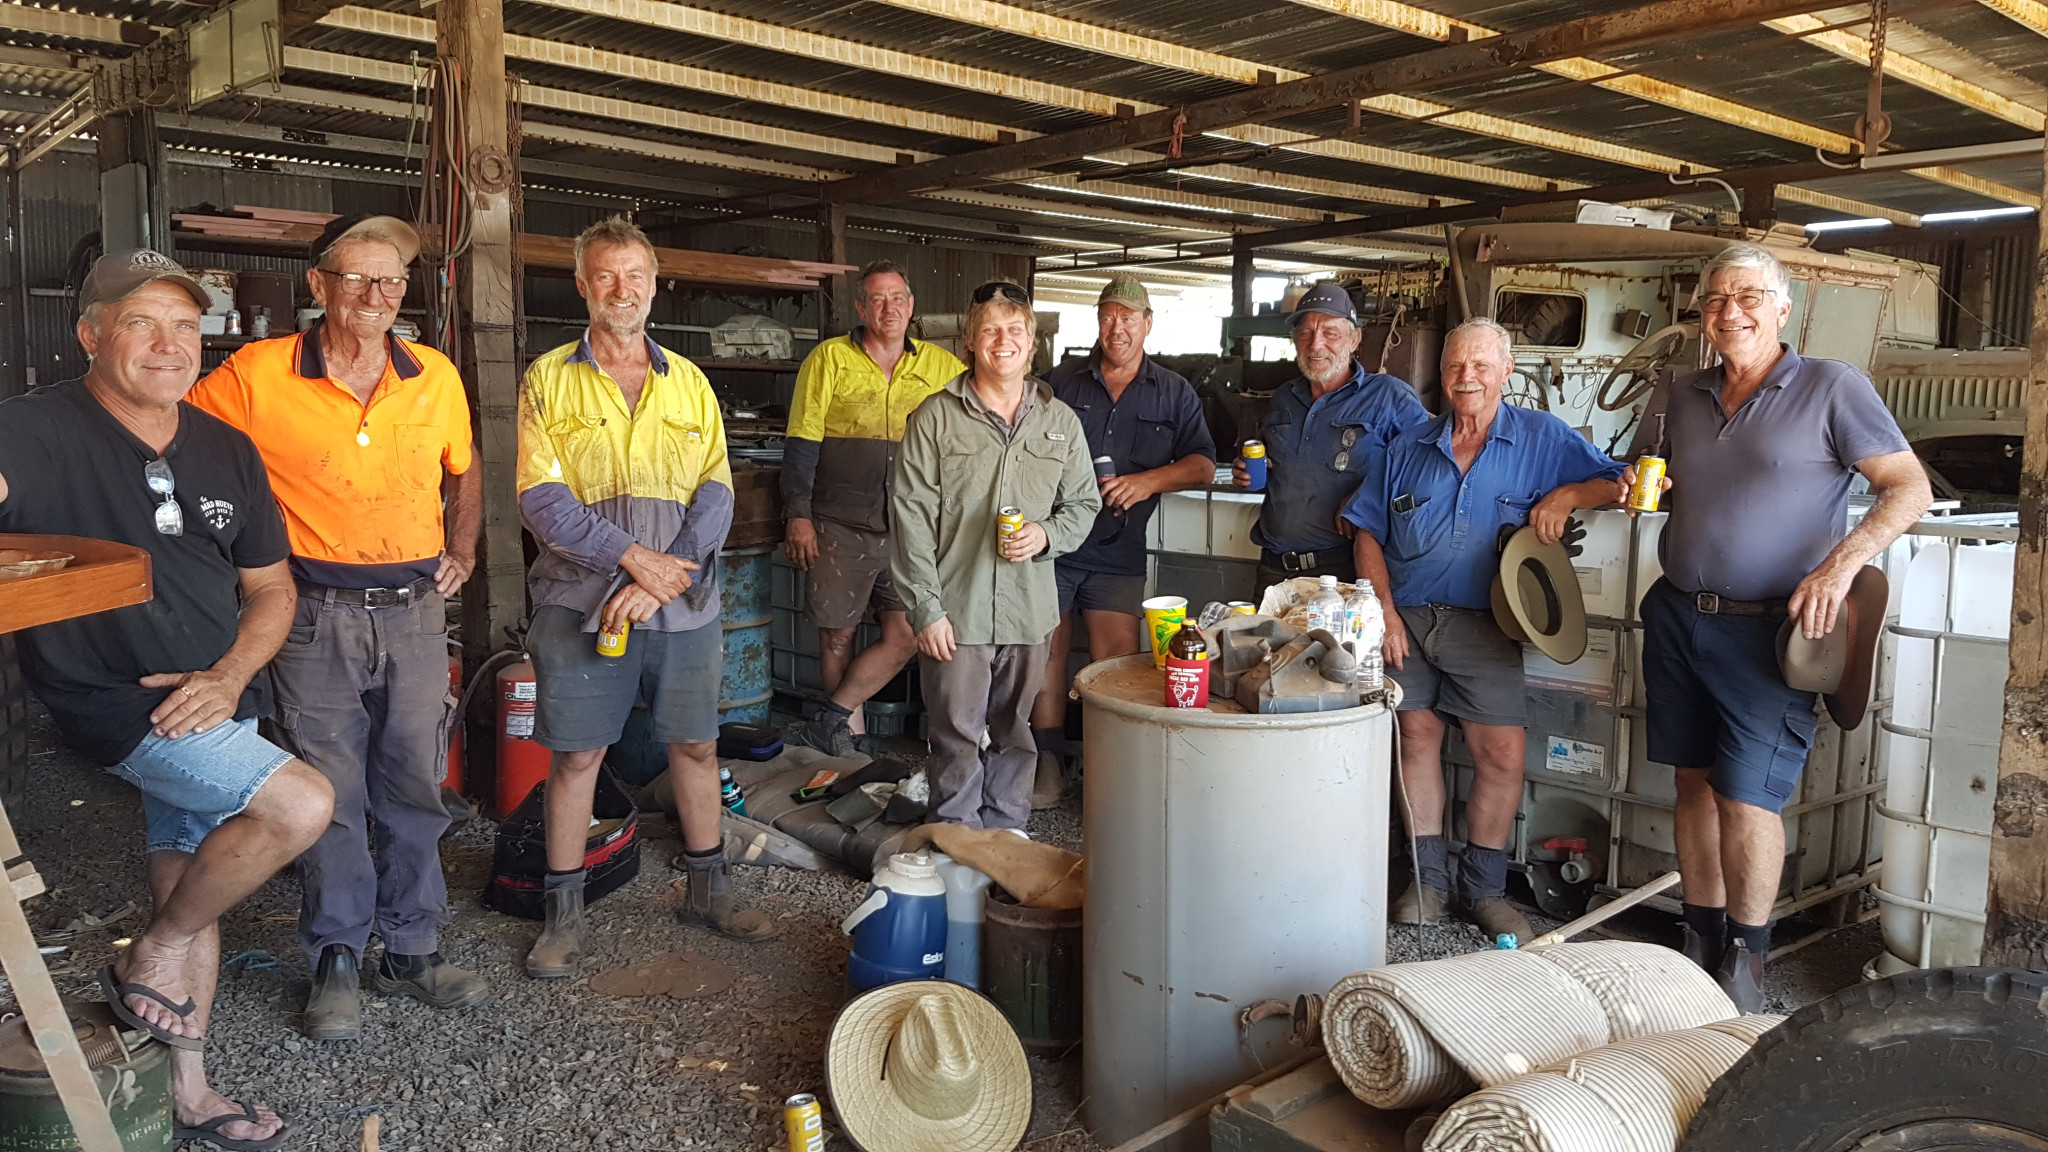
(386,597)
(1297,561)
(1707,602)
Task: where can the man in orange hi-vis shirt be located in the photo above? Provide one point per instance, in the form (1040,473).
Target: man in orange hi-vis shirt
(363,434)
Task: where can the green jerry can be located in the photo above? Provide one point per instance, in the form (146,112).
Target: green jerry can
(133,1073)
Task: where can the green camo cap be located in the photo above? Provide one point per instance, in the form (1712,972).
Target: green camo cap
(1125,289)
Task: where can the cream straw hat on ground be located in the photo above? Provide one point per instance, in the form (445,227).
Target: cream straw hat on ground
(928,1066)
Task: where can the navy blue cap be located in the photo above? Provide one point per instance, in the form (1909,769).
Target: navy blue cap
(1326,298)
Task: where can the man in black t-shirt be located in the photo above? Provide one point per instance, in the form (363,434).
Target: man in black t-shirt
(166,693)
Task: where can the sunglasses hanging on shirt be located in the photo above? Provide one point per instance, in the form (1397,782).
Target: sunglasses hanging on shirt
(170,519)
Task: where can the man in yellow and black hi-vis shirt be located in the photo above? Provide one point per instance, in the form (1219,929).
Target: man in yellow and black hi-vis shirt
(852,396)
(624,481)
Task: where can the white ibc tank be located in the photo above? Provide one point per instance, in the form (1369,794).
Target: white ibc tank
(1232,858)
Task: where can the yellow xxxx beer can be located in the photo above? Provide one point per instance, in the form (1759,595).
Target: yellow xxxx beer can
(804,1122)
(612,645)
(1008,520)
(1649,487)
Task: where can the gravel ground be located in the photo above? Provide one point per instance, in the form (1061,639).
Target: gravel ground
(547,1067)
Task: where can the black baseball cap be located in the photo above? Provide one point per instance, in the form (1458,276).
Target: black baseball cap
(1326,298)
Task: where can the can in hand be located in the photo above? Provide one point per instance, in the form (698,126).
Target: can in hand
(1008,520)
(1649,485)
(804,1122)
(612,644)
(1254,456)
(1105,469)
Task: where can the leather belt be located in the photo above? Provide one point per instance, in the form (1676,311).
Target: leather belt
(1711,604)
(1295,561)
(404,597)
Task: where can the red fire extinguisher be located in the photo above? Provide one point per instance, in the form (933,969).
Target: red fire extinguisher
(454,777)
(522,764)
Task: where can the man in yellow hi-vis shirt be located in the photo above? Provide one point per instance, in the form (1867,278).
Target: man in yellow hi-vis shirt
(624,481)
(852,396)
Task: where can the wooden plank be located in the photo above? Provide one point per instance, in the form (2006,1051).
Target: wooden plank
(317,219)
(104,575)
(2016,907)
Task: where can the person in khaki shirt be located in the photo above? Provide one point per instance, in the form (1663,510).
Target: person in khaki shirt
(982,607)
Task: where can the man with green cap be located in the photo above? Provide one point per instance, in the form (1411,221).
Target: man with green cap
(1148,423)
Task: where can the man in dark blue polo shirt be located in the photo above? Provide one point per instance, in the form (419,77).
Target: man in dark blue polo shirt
(1428,523)
(1149,422)
(1325,432)
(1762,451)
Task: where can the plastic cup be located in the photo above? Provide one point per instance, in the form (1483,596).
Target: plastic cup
(1163,617)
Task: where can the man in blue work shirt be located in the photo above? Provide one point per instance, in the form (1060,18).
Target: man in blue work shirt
(1148,421)
(1325,432)
(1428,521)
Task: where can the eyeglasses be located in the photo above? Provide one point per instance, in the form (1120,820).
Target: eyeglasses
(1004,288)
(357,282)
(1748,298)
(170,519)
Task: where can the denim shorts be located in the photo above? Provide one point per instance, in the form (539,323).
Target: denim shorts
(584,698)
(1714,699)
(194,784)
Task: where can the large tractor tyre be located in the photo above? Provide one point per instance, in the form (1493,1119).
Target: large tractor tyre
(1942,1060)
(13,727)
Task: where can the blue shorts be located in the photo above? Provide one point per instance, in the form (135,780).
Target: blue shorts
(1714,699)
(1099,591)
(194,784)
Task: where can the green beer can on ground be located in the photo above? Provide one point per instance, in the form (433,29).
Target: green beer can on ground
(134,1080)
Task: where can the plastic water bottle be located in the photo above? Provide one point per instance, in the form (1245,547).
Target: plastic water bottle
(1326,610)
(1368,623)
(964,903)
(899,931)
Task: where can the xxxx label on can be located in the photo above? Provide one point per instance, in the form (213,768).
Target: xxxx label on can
(612,644)
(804,1122)
(1243,608)
(1649,486)
(1008,520)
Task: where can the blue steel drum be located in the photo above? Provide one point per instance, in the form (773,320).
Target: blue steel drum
(744,691)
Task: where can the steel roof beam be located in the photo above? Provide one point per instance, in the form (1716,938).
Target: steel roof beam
(2027,13)
(1856,49)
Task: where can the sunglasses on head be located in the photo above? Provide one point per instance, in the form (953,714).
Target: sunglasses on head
(994,288)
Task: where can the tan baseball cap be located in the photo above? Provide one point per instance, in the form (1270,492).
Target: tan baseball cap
(391,229)
(1125,289)
(120,274)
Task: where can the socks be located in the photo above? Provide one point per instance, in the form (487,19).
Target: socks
(830,706)
(703,859)
(570,879)
(1709,924)
(1432,862)
(1482,872)
(1049,739)
(1755,937)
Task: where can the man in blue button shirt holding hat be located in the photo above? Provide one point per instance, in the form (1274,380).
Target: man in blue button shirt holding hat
(1325,432)
(1429,522)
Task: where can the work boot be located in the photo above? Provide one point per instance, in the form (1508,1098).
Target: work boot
(707,899)
(1705,951)
(1497,917)
(829,731)
(430,979)
(1420,904)
(1741,976)
(1050,784)
(560,947)
(334,1005)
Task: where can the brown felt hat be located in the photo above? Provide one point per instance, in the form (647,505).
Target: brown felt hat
(1841,664)
(1536,597)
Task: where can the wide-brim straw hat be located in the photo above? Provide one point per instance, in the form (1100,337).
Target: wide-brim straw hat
(927,1066)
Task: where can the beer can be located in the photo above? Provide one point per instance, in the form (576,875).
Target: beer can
(610,644)
(804,1122)
(1105,468)
(1254,456)
(1008,520)
(1649,488)
(1243,608)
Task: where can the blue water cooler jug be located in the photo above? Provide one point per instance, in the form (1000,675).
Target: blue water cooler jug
(899,931)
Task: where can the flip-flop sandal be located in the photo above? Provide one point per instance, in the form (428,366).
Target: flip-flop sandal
(209,1131)
(117,993)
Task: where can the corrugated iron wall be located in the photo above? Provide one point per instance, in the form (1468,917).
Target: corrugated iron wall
(1987,282)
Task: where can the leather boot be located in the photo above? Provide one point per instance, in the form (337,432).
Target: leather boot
(334,1006)
(1741,976)
(708,900)
(560,947)
(1497,917)
(1705,951)
(430,979)
(1420,904)
(1049,784)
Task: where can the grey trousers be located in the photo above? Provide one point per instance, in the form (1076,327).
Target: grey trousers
(362,696)
(984,687)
